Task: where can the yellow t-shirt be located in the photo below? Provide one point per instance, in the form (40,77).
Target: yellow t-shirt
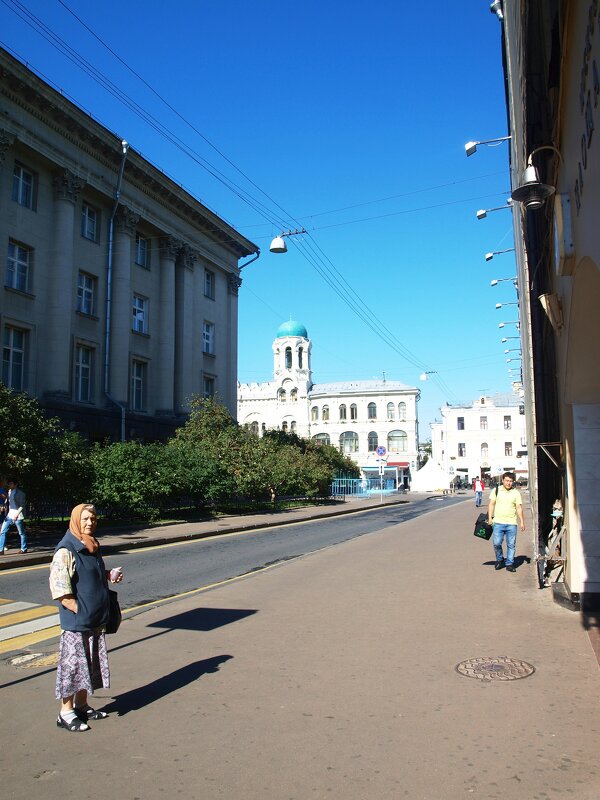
(505,510)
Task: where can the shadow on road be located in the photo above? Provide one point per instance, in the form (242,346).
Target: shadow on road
(203,619)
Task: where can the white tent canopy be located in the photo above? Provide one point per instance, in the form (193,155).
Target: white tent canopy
(430,478)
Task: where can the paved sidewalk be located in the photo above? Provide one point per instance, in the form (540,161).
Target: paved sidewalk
(331,676)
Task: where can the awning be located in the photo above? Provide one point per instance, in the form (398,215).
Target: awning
(403,464)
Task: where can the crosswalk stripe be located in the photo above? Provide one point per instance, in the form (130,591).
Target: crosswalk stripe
(29,639)
(28,627)
(9,608)
(27,614)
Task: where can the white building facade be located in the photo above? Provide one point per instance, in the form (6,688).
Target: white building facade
(483,439)
(359,417)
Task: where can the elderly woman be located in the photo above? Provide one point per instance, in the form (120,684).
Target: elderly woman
(79,582)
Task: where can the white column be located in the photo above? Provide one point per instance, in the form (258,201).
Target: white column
(165,368)
(184,329)
(121,303)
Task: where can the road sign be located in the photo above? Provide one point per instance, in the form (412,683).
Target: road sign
(382,469)
(381,451)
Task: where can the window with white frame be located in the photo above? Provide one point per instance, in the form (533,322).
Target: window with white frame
(288,357)
(325,414)
(284,426)
(462,450)
(18,266)
(354,411)
(86,293)
(139,372)
(254,428)
(208,338)
(508,448)
(342,411)
(142,251)
(349,442)
(397,442)
(293,426)
(373,441)
(14,344)
(484,450)
(372,411)
(208,386)
(209,284)
(507,423)
(402,412)
(483,424)
(282,396)
(23,187)
(314,414)
(89,222)
(460,423)
(83,373)
(294,395)
(391,411)
(322,438)
(139,322)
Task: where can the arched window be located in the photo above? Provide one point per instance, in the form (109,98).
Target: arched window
(284,426)
(314,414)
(371,411)
(294,395)
(281,396)
(322,438)
(397,442)
(288,357)
(300,356)
(293,426)
(402,412)
(373,441)
(325,414)
(342,412)
(263,427)
(254,428)
(349,442)
(353,411)
(484,450)
(390,411)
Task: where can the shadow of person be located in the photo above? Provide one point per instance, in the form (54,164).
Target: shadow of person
(161,687)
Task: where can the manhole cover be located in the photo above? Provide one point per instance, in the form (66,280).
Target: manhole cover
(501,668)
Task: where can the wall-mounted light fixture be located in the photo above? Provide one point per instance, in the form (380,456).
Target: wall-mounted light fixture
(496,8)
(483,212)
(500,305)
(510,322)
(489,256)
(532,192)
(508,360)
(471,147)
(553,308)
(513,350)
(278,244)
(423,375)
(506,338)
(496,281)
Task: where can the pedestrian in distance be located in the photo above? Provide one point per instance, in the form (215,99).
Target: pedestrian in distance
(504,510)
(3,500)
(79,582)
(478,489)
(15,515)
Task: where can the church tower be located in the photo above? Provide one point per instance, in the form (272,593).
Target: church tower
(291,361)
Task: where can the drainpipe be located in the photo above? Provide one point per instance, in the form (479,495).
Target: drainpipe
(111,225)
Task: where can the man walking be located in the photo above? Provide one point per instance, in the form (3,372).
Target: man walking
(505,508)
(478,489)
(14,516)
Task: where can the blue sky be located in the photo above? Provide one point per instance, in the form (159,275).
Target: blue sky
(350,119)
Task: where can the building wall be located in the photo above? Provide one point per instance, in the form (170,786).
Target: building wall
(70,164)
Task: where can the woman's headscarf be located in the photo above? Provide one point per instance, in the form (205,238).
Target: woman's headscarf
(90,542)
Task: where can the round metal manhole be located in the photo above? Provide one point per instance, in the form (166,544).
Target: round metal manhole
(501,668)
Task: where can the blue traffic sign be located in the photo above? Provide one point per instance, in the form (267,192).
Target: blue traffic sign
(381,451)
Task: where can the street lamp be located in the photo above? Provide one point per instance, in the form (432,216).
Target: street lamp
(423,375)
(501,305)
(489,256)
(513,350)
(508,360)
(483,212)
(510,322)
(506,338)
(496,281)
(532,192)
(278,244)
(471,147)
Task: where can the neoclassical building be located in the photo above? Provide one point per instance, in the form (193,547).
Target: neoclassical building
(357,416)
(113,312)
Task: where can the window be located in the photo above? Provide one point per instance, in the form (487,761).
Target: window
(349,442)
(282,396)
(460,423)
(89,223)
(300,357)
(83,374)
(507,423)
(314,415)
(208,386)
(293,426)
(342,412)
(86,293)
(208,338)
(254,428)
(483,423)
(18,266)
(402,412)
(523,441)
(294,395)
(263,427)
(288,357)
(138,385)
(390,411)
(14,344)
(371,411)
(508,448)
(142,251)
(322,438)
(23,187)
(397,442)
(284,427)
(209,284)
(139,322)
(353,411)
(325,414)
(373,440)
(462,450)
(484,450)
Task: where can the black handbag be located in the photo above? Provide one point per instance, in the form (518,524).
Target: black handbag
(482,529)
(114,612)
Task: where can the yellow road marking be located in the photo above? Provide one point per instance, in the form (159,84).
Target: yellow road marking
(24,616)
(4,602)
(28,639)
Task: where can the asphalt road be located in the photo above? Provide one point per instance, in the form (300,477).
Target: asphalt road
(155,573)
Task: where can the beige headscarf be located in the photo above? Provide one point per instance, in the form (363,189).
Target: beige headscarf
(90,542)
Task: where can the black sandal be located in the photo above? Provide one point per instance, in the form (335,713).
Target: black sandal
(75,726)
(87,712)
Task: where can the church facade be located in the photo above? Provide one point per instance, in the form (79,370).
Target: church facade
(375,422)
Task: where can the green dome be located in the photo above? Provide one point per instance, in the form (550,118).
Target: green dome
(292,328)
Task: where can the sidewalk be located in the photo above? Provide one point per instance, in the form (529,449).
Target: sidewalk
(331,676)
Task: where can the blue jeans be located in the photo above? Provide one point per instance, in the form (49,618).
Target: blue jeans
(478,496)
(20,527)
(501,529)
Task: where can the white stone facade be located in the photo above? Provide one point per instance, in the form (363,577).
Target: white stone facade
(483,439)
(128,366)
(356,416)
